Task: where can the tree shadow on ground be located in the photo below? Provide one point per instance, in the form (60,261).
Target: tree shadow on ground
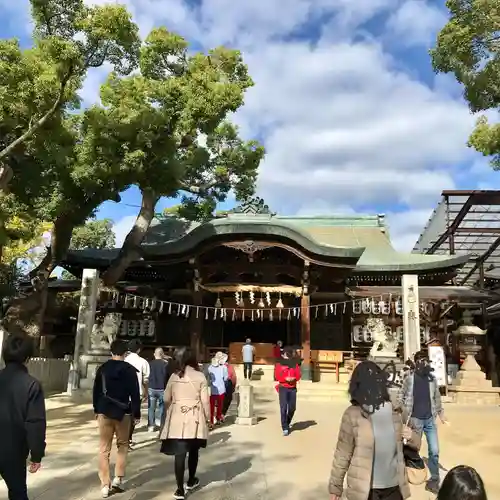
(302,426)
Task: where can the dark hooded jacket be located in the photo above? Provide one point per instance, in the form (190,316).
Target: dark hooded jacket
(122,385)
(22,415)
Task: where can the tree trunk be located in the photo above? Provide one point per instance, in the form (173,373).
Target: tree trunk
(25,314)
(130,250)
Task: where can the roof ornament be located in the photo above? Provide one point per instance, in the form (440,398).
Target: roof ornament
(253,206)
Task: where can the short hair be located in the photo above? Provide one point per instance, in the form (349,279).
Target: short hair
(159,352)
(18,348)
(288,351)
(462,482)
(118,348)
(134,345)
(420,356)
(368,386)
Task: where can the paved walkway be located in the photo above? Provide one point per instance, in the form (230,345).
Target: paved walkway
(255,463)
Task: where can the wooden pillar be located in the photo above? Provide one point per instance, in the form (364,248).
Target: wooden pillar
(305,325)
(196,317)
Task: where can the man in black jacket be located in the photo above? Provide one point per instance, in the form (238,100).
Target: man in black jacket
(22,417)
(116,401)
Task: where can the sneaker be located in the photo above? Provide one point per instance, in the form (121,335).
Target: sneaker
(286,432)
(433,486)
(105,492)
(151,428)
(192,484)
(179,494)
(117,484)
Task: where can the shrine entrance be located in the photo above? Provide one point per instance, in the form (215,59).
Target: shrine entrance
(265,331)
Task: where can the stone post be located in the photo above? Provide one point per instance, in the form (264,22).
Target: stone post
(86,319)
(411,315)
(245,404)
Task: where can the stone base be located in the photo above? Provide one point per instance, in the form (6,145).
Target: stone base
(246,420)
(475,396)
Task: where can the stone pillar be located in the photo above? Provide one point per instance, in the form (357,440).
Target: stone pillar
(85,324)
(411,315)
(245,404)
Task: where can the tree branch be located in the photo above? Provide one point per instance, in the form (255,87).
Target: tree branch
(40,123)
(198,189)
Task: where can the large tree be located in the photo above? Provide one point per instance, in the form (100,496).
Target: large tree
(162,129)
(167,126)
(469,47)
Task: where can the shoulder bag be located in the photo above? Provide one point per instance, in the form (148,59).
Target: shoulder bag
(116,402)
(416,470)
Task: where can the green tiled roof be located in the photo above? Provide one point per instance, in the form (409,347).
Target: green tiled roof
(360,237)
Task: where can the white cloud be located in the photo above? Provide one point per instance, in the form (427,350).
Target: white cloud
(405,227)
(416,22)
(122,228)
(344,123)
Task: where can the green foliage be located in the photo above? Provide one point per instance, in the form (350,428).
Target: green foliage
(93,234)
(469,47)
(164,129)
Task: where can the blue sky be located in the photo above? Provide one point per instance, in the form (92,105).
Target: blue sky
(345,100)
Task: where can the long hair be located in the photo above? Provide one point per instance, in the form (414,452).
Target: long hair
(462,483)
(184,357)
(368,386)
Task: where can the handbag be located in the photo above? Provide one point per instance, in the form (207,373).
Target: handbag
(116,402)
(416,469)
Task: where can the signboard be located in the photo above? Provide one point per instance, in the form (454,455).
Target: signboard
(438,363)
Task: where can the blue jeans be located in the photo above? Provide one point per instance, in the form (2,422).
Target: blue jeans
(288,403)
(429,428)
(155,396)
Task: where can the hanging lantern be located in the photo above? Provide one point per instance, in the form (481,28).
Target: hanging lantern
(218,302)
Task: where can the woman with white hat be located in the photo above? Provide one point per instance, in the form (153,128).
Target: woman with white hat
(217,375)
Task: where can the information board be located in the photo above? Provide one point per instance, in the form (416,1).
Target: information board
(438,363)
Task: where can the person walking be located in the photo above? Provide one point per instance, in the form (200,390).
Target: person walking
(370,443)
(248,352)
(287,374)
(218,377)
(230,385)
(186,422)
(116,400)
(22,417)
(462,483)
(158,377)
(143,371)
(420,397)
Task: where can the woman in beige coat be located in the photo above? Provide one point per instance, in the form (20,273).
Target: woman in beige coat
(186,424)
(370,443)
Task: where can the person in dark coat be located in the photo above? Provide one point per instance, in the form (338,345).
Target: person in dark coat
(117,404)
(22,417)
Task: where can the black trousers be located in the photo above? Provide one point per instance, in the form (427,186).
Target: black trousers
(247,370)
(393,493)
(228,398)
(180,467)
(13,472)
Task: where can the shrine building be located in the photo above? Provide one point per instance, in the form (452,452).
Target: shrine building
(311,282)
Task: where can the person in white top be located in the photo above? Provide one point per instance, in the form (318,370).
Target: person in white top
(248,351)
(143,370)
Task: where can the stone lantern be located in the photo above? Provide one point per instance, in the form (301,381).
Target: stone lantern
(471,385)
(468,343)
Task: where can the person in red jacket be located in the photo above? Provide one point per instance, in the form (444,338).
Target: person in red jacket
(287,374)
